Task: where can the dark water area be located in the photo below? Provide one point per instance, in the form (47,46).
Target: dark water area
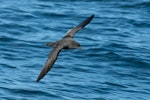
(112,64)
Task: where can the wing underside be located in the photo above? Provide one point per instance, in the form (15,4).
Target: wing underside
(49,63)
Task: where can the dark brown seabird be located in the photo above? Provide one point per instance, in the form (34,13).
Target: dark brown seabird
(66,42)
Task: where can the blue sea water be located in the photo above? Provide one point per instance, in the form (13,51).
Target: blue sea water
(112,64)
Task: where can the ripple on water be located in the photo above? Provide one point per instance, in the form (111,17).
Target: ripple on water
(113,62)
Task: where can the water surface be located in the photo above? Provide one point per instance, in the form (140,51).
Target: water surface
(113,63)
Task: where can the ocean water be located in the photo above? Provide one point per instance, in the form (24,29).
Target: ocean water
(112,64)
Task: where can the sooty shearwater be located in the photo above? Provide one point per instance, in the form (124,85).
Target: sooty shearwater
(67,42)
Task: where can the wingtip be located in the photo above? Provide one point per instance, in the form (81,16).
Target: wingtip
(38,79)
(41,75)
(86,21)
(92,15)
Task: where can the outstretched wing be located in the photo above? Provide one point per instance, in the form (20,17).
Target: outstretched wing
(72,31)
(50,61)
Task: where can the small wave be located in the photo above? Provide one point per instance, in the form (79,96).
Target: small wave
(7,39)
(115,85)
(7,66)
(141,24)
(17,29)
(143,4)
(136,62)
(24,92)
(48,14)
(117,46)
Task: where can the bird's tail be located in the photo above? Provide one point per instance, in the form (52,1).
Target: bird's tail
(51,44)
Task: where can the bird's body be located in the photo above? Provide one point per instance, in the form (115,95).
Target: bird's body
(67,42)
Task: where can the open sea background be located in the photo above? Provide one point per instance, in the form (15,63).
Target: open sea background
(112,64)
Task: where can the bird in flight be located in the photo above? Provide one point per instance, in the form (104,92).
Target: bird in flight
(67,42)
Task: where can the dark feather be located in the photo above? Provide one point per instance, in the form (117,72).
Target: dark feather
(65,43)
(50,61)
(72,31)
